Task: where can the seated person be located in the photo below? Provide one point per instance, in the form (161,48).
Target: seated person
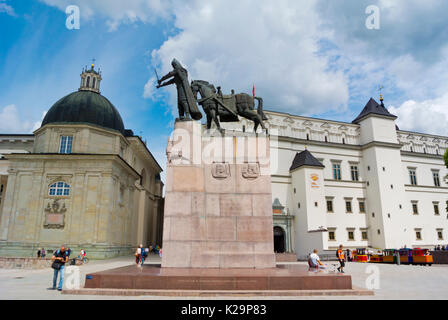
(314,261)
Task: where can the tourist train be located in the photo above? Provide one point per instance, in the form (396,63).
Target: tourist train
(415,256)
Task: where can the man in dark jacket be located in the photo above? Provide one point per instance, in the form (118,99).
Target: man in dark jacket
(60,257)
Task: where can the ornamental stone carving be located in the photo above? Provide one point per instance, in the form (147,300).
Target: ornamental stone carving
(55,214)
(220,170)
(251,170)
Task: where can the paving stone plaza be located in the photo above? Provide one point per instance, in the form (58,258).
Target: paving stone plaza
(396,282)
(224,150)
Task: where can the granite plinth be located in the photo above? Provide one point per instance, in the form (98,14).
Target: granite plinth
(218,200)
(281,278)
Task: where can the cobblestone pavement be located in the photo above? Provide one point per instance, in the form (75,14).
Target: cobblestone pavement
(395,282)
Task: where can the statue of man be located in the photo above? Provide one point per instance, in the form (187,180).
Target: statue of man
(185,99)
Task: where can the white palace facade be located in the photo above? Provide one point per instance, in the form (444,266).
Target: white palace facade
(364,184)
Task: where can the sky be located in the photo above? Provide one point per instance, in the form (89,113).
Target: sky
(305,57)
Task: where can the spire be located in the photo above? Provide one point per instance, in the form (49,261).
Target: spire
(372,107)
(90,79)
(381,95)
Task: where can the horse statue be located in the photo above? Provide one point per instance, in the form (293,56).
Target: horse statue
(227,107)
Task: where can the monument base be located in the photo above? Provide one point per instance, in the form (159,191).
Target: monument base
(282,278)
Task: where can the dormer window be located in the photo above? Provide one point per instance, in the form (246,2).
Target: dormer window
(66,145)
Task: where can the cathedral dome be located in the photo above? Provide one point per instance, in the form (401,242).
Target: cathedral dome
(86,106)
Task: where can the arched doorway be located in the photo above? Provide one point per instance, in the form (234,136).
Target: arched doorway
(279,240)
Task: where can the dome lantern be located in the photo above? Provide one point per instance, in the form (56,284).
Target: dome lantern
(90,79)
(86,106)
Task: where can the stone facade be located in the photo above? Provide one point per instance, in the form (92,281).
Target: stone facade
(25,263)
(381,197)
(114,202)
(218,200)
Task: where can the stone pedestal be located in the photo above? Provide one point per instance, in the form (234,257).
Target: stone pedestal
(218,211)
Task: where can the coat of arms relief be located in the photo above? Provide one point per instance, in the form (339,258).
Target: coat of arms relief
(55,214)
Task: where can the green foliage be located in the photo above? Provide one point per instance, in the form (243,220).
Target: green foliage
(445,157)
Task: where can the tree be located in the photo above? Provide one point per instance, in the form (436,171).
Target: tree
(445,157)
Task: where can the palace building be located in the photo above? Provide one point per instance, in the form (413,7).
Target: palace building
(81,179)
(365,184)
(85,181)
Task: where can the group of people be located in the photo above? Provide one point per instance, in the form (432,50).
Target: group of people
(41,253)
(141,254)
(441,248)
(315,263)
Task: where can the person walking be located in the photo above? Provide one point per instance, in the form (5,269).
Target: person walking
(43,253)
(82,255)
(138,255)
(341,259)
(38,253)
(59,258)
(145,254)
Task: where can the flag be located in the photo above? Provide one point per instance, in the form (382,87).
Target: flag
(253,91)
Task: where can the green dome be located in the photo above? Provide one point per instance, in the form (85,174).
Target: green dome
(85,107)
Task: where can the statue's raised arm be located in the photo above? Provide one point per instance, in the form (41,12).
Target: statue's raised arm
(185,100)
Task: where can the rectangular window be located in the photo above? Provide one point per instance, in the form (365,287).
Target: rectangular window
(331,236)
(413,177)
(362,207)
(414,208)
(66,145)
(348,206)
(440,234)
(418,234)
(435,176)
(336,171)
(329,205)
(436,208)
(351,235)
(355,174)
(364,235)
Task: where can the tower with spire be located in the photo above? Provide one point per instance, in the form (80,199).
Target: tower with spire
(90,79)
(383,176)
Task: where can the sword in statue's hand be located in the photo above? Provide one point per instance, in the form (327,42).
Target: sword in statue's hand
(157,76)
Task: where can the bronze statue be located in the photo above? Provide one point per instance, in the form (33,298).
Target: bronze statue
(227,107)
(217,106)
(185,99)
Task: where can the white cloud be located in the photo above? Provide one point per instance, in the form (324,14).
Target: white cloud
(9,10)
(11,121)
(236,44)
(117,11)
(429,116)
(150,88)
(304,56)
(273,45)
(407,52)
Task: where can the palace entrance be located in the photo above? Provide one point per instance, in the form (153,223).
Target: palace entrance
(279,240)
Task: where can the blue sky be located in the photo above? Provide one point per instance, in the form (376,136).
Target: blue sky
(313,58)
(41,61)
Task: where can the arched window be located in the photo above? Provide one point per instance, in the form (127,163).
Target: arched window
(94,82)
(88,82)
(59,189)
